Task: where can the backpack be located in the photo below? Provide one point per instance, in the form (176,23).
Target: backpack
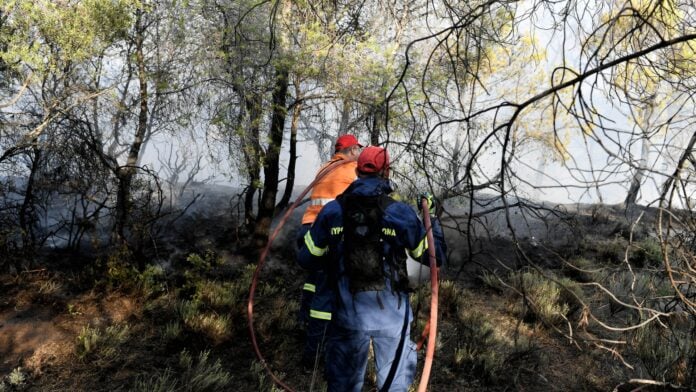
(363,246)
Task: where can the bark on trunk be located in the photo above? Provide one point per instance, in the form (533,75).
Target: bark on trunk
(378,117)
(666,194)
(292,160)
(271,165)
(126,173)
(251,150)
(632,195)
(26,211)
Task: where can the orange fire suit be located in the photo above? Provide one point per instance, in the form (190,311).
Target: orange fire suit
(332,185)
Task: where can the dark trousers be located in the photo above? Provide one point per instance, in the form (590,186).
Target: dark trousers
(315,309)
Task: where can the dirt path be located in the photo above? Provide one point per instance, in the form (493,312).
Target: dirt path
(38,326)
(32,338)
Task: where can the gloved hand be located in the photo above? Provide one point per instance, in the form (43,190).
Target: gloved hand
(431,202)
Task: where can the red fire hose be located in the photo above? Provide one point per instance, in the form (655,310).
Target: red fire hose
(431,326)
(262,259)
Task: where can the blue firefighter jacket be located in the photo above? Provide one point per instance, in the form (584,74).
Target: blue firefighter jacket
(402,231)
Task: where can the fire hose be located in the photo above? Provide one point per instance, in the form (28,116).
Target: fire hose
(432,323)
(431,326)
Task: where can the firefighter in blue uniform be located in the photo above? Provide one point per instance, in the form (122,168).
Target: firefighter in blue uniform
(361,240)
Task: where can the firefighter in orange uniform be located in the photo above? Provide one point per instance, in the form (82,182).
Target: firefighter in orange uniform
(317,297)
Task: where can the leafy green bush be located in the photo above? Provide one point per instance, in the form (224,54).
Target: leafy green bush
(205,262)
(451,299)
(612,250)
(120,271)
(209,306)
(152,281)
(603,249)
(201,375)
(277,316)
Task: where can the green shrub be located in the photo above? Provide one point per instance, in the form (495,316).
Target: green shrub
(203,263)
(571,293)
(197,268)
(219,294)
(152,281)
(87,341)
(202,375)
(605,250)
(277,316)
(580,269)
(187,310)
(94,341)
(264,382)
(165,381)
(193,375)
(639,286)
(172,331)
(120,271)
(476,346)
(491,280)
(612,250)
(667,354)
(454,302)
(647,253)
(16,378)
(215,326)
(468,340)
(550,302)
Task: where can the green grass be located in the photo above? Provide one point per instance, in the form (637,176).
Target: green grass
(196,318)
(549,301)
(200,374)
(470,343)
(101,342)
(667,353)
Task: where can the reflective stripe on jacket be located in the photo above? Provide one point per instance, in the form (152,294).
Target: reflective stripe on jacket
(332,185)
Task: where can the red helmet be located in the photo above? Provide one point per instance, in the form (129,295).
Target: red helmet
(374,159)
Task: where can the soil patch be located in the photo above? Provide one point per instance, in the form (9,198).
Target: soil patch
(39,322)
